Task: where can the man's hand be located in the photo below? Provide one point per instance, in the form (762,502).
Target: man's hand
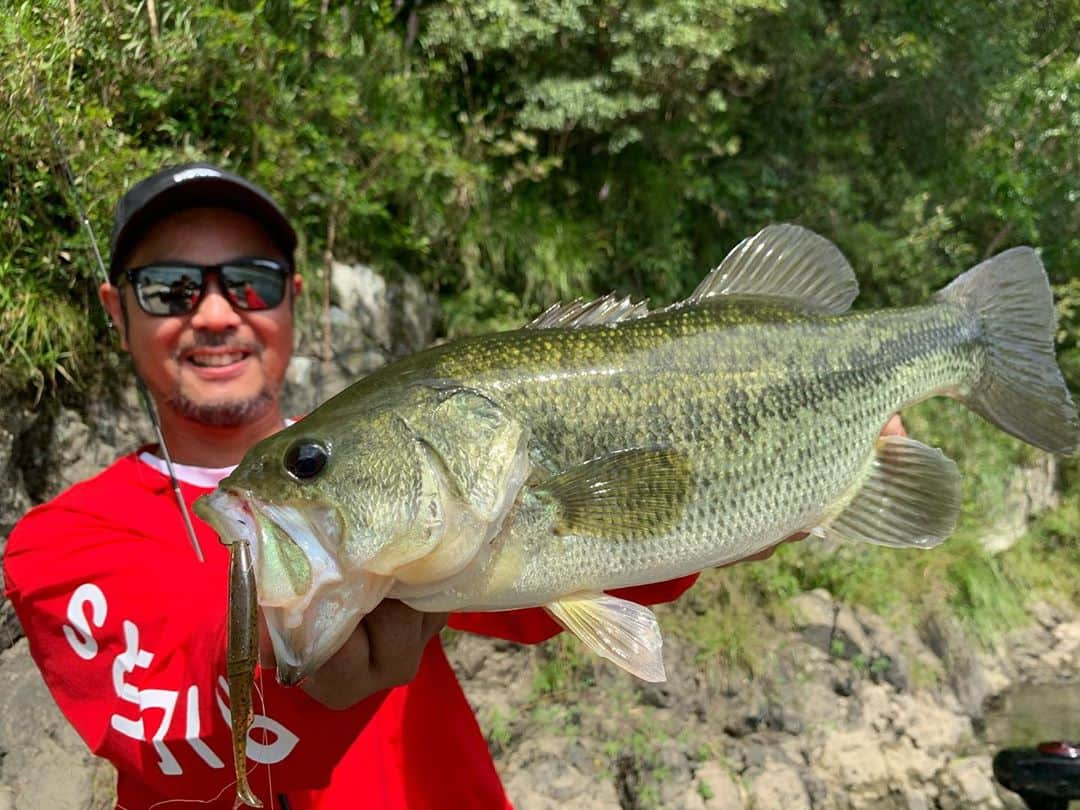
(384,651)
(894,427)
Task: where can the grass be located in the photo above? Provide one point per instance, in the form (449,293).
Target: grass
(565,664)
(43,338)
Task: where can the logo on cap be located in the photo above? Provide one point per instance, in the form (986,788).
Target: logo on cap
(189,174)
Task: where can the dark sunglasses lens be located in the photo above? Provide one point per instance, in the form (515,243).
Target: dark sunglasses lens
(254,286)
(166,290)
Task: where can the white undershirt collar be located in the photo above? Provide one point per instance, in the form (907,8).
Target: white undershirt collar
(206,477)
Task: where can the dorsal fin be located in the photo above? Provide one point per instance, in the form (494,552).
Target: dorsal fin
(606,309)
(785,261)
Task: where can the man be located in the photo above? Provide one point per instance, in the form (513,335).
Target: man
(128,626)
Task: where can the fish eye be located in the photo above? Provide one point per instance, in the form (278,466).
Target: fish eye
(305,459)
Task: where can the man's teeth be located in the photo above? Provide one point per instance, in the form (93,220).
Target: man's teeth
(216,359)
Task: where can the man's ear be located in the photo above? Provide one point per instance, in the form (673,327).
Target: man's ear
(110,299)
(298,283)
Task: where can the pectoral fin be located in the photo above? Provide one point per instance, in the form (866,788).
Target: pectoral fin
(623,632)
(910,496)
(622,496)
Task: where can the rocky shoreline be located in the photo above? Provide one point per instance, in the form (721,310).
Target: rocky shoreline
(821,730)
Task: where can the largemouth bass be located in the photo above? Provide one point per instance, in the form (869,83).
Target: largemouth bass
(606,446)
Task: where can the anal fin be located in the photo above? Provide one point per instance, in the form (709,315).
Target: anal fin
(910,497)
(621,631)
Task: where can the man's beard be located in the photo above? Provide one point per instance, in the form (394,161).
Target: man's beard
(228,413)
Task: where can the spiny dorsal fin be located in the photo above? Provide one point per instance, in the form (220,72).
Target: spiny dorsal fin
(627,495)
(604,310)
(623,632)
(785,261)
(910,497)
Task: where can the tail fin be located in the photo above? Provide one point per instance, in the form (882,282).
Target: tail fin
(1021,389)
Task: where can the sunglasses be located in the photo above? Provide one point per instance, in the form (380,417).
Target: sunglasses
(176,288)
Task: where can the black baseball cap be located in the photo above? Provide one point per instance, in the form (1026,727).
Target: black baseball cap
(192,185)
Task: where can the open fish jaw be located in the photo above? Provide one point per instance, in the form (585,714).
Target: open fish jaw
(310,604)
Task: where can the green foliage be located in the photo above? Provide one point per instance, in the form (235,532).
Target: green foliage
(499,733)
(40,332)
(515,152)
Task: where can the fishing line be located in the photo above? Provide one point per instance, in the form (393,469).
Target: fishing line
(262,700)
(144,394)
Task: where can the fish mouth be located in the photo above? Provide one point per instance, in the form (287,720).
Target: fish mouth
(310,602)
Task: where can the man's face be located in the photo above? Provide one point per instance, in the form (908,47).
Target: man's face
(215,365)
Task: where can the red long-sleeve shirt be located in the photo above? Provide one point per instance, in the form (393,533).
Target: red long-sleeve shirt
(128,629)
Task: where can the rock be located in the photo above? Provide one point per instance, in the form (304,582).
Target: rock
(43,763)
(933,728)
(828,625)
(14,500)
(1031,492)
(943,634)
(909,764)
(915,800)
(853,759)
(549,773)
(392,318)
(416,311)
(891,648)
(816,704)
(969,782)
(301,390)
(72,438)
(716,788)
(771,715)
(361,292)
(672,772)
(778,785)
(491,670)
(1046,614)
(1065,654)
(10,629)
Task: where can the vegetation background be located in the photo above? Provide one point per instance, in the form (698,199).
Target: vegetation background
(511,153)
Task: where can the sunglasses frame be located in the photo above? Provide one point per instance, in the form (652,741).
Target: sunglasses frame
(284,269)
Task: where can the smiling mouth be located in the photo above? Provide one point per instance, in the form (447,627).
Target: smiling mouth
(215,359)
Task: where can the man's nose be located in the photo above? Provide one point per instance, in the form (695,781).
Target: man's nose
(214,312)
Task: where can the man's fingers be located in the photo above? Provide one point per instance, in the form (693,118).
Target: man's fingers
(394,629)
(432,624)
(397,637)
(346,677)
